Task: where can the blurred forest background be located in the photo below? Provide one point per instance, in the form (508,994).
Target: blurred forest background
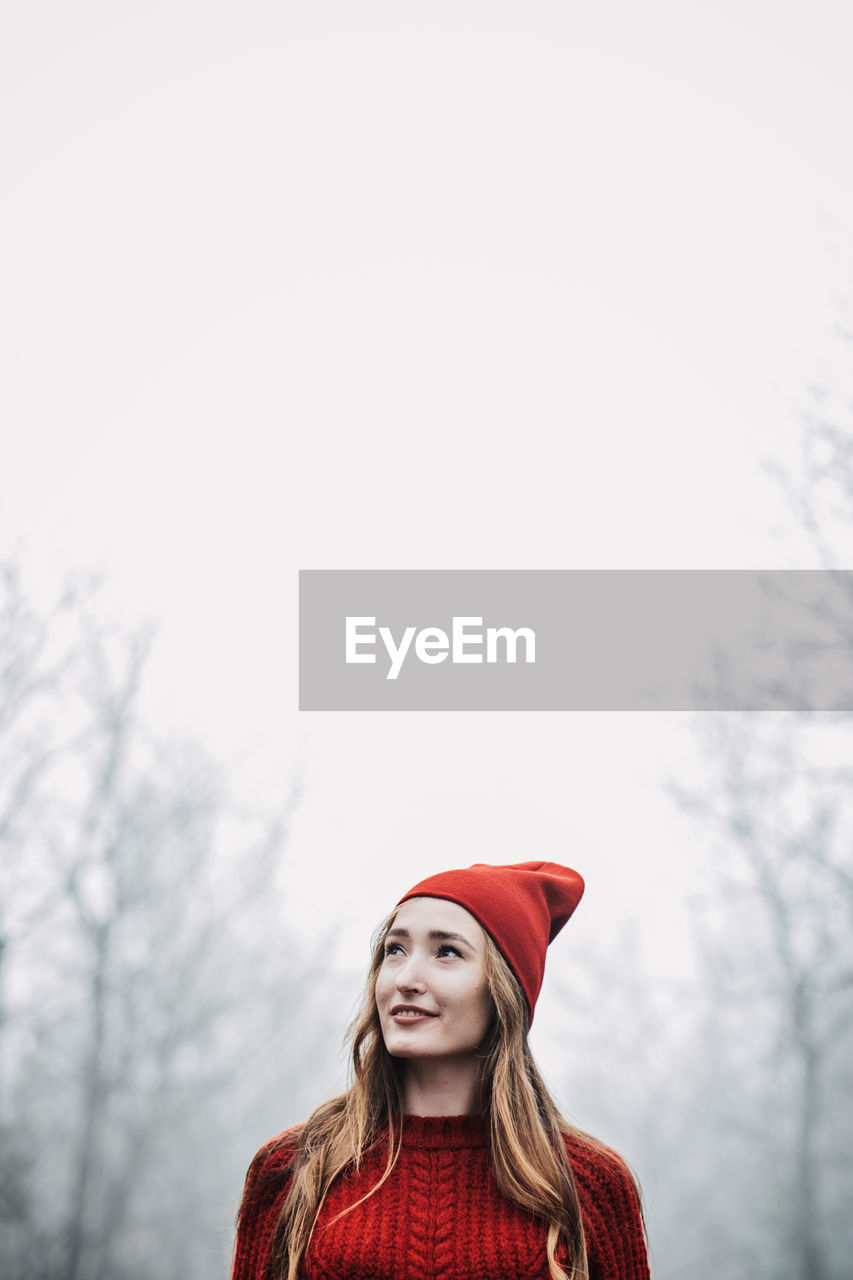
(143,968)
(156,1021)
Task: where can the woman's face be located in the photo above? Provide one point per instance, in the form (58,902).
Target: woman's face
(431,992)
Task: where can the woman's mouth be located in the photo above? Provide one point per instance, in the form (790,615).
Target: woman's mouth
(409,1013)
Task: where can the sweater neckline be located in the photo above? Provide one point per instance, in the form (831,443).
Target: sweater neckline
(444,1132)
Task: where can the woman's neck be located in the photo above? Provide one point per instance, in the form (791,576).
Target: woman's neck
(442,1087)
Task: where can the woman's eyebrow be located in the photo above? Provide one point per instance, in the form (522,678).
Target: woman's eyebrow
(440,935)
(444,936)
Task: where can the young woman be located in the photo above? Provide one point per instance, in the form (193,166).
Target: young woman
(447,1158)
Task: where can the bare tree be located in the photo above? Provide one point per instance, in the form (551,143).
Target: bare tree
(39,723)
(778,943)
(775,915)
(141,981)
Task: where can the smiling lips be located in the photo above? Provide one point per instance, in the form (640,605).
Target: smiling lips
(410,1013)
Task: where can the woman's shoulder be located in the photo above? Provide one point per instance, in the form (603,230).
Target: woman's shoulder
(610,1204)
(273,1160)
(281,1147)
(263,1194)
(595,1162)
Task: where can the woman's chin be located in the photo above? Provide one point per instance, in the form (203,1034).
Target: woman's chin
(405,1046)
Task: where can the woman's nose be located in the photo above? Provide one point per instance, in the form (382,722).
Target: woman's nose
(410,976)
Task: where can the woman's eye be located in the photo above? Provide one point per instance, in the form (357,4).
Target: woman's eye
(391,948)
(447,949)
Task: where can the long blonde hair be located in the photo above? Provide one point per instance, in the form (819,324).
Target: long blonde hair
(526,1130)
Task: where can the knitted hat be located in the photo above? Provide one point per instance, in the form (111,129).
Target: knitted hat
(523,906)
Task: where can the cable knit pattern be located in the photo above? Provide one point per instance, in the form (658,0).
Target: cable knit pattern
(440,1215)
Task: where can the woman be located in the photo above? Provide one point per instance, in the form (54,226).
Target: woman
(447,1158)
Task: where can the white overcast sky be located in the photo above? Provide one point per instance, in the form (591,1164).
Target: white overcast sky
(364,285)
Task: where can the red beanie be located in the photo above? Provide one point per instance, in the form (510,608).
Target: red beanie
(523,907)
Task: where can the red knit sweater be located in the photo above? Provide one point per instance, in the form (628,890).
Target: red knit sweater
(440,1215)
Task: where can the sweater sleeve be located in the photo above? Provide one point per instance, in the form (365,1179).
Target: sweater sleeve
(264,1193)
(613,1220)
